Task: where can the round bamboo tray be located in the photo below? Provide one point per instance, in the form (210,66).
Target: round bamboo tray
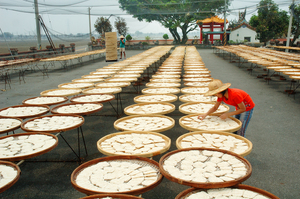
(134,69)
(119,79)
(206,185)
(103,73)
(33,154)
(243,154)
(130,72)
(169,69)
(91,76)
(162,98)
(196,98)
(55,130)
(133,75)
(160,85)
(145,127)
(54,110)
(92,80)
(201,75)
(61,100)
(161,80)
(11,183)
(107,69)
(10,128)
(111,195)
(107,98)
(113,84)
(165,76)
(134,159)
(195,90)
(197,79)
(196,71)
(283,70)
(102,90)
(161,90)
(196,84)
(170,108)
(80,85)
(294,77)
(68,92)
(26,116)
(167,142)
(188,192)
(168,73)
(181,108)
(278,67)
(198,129)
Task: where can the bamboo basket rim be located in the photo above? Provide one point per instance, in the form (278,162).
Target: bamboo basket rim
(184,90)
(147,103)
(117,90)
(205,79)
(144,91)
(23,157)
(53,131)
(98,80)
(277,67)
(127,75)
(112,158)
(168,69)
(102,101)
(78,91)
(245,153)
(285,69)
(92,76)
(201,75)
(107,69)
(134,116)
(125,84)
(70,83)
(48,104)
(27,116)
(223,130)
(11,183)
(170,80)
(208,185)
(151,154)
(182,96)
(103,72)
(115,195)
(136,99)
(294,77)
(189,191)
(54,109)
(193,103)
(187,84)
(13,128)
(172,84)
(171,73)
(292,73)
(121,79)
(130,72)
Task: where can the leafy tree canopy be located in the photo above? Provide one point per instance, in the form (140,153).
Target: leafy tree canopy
(121,26)
(103,25)
(173,14)
(296,22)
(270,23)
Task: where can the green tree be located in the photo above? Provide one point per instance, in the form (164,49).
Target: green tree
(173,14)
(128,38)
(103,25)
(296,22)
(147,38)
(270,23)
(121,26)
(166,37)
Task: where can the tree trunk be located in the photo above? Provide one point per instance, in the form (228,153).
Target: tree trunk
(175,35)
(184,33)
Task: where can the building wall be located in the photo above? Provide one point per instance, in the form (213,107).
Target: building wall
(239,34)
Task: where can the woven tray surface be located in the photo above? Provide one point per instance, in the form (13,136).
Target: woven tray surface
(235,191)
(113,84)
(195,84)
(114,167)
(205,167)
(195,90)
(111,196)
(80,85)
(165,90)
(26,145)
(162,84)
(197,98)
(92,76)
(61,92)
(45,100)
(201,108)
(77,108)
(136,143)
(97,98)
(24,111)
(53,123)
(14,174)
(218,140)
(92,80)
(102,90)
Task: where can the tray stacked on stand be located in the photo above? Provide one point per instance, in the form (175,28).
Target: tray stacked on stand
(118,175)
(201,108)
(45,100)
(8,124)
(92,80)
(97,98)
(75,108)
(24,111)
(113,84)
(165,90)
(61,92)
(197,98)
(169,98)
(102,90)
(161,108)
(81,85)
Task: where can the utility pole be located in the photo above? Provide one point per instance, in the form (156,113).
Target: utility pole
(89,9)
(225,35)
(38,30)
(289,31)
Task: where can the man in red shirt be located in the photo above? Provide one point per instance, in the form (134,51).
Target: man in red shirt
(231,96)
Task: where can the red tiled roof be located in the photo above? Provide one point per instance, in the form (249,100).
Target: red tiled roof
(244,23)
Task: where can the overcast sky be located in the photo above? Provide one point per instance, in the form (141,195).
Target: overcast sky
(76,20)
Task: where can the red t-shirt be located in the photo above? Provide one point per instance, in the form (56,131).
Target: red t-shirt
(237,96)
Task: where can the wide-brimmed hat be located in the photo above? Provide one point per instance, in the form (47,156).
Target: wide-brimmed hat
(121,37)
(216,86)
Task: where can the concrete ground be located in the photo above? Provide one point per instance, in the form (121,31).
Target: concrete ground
(273,131)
